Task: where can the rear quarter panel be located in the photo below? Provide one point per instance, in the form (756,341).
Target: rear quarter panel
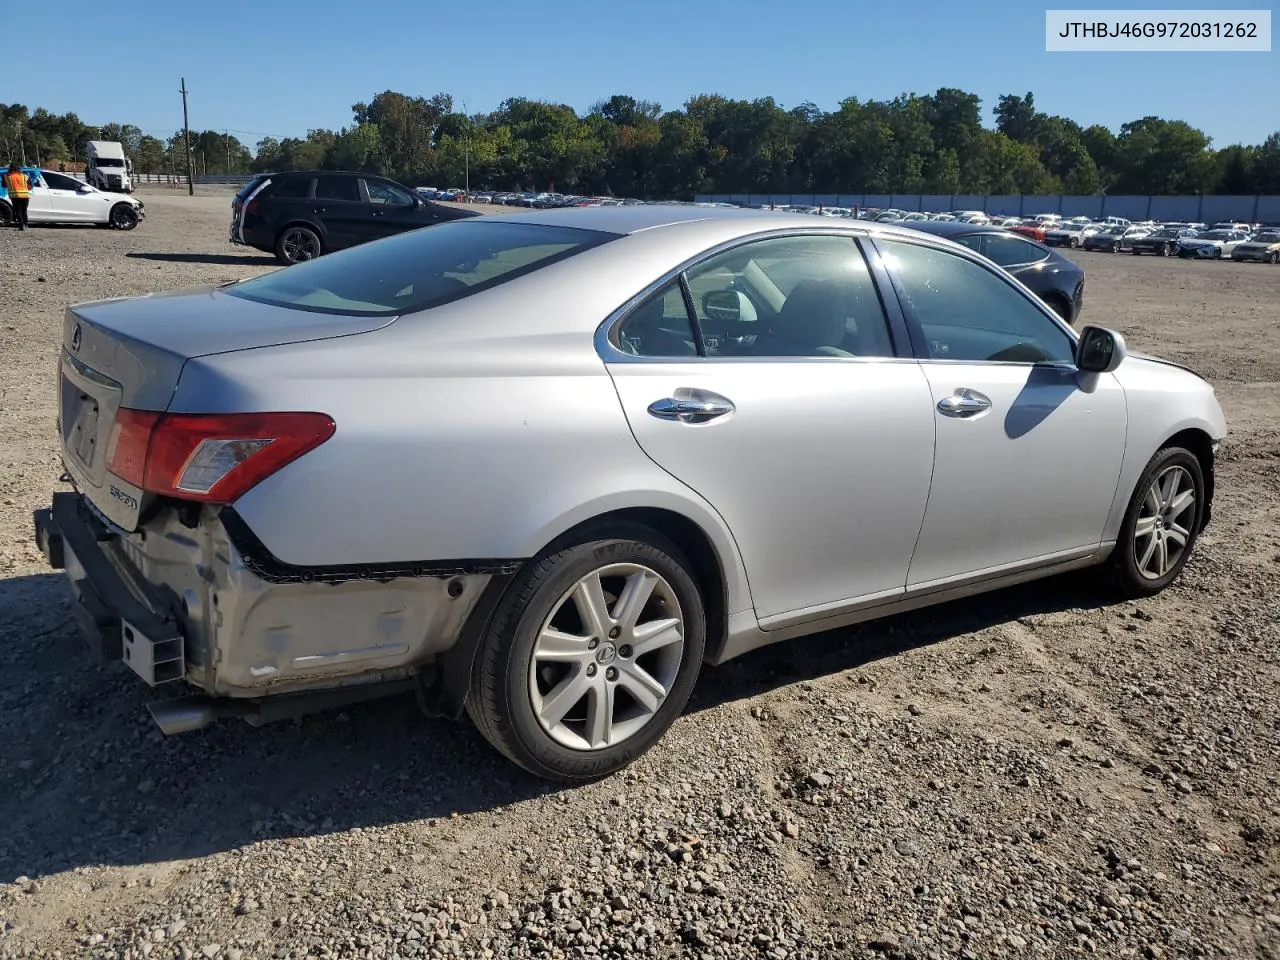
(458,436)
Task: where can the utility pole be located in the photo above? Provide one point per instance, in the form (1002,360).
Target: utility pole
(186,134)
(466,148)
(226,142)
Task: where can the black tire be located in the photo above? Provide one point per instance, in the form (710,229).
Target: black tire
(1075,243)
(1166,250)
(1274,258)
(1217,253)
(1115,246)
(500,702)
(297,244)
(124,216)
(1122,569)
(1060,308)
(6,215)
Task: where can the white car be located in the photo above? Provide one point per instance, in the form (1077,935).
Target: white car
(58,198)
(1213,245)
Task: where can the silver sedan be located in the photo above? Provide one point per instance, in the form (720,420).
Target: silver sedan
(541,467)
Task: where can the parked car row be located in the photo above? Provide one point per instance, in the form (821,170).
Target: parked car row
(540,201)
(1255,241)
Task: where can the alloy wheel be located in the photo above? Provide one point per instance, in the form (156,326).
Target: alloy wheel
(1162,528)
(124,217)
(300,245)
(607,657)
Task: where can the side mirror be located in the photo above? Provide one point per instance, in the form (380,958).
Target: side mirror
(722,305)
(84,188)
(1099,350)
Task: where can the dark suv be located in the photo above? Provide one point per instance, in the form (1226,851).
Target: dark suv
(301,215)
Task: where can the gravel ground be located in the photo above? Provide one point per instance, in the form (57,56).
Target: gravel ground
(1036,773)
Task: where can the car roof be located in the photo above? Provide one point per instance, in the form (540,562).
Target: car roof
(624,220)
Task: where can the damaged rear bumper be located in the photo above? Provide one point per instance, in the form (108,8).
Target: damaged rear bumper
(189,613)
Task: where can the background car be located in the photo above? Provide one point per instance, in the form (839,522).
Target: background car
(59,198)
(1070,233)
(1057,280)
(1162,242)
(301,215)
(1032,228)
(1115,239)
(1263,246)
(1213,245)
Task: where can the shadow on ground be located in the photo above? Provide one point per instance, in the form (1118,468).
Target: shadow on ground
(218,259)
(85,778)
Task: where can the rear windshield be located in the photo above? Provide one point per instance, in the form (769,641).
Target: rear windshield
(419,269)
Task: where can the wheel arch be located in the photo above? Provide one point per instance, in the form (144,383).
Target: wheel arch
(111,213)
(445,693)
(1057,299)
(311,225)
(1198,441)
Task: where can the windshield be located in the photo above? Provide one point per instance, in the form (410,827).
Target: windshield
(1216,235)
(109,162)
(1268,236)
(420,269)
(1165,234)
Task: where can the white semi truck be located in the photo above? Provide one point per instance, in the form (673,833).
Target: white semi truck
(107,167)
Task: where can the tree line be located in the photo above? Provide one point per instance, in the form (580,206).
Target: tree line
(622,146)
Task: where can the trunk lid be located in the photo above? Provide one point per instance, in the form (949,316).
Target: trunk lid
(130,352)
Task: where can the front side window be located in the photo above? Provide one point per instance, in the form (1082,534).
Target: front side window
(805,296)
(388,193)
(331,187)
(969,312)
(419,269)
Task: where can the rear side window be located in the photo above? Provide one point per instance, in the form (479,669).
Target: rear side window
(337,188)
(1011,251)
(249,187)
(291,188)
(419,269)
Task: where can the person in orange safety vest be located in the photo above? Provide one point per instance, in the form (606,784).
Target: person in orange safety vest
(18,184)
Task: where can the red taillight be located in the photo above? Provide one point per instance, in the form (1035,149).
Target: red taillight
(213,458)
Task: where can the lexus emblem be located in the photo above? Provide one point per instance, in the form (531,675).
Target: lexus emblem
(75,338)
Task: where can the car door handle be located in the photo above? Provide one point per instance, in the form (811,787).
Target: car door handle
(964,403)
(694,409)
(320,210)
(377,213)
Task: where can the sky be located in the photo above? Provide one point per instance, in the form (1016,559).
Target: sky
(280,69)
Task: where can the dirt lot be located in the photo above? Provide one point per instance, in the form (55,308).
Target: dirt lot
(1037,773)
